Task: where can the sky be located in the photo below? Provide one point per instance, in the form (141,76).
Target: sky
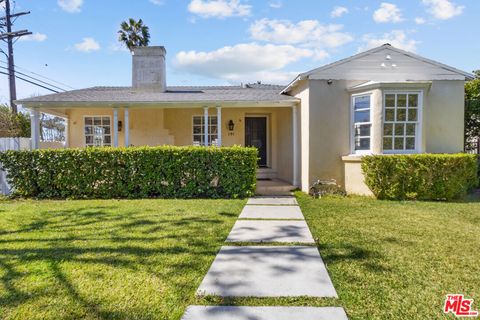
(218,42)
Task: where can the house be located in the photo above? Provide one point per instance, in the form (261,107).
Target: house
(381,101)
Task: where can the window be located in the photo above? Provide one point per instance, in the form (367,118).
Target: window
(199,130)
(362,125)
(98,131)
(401,121)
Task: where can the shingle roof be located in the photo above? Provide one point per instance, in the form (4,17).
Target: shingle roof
(248,93)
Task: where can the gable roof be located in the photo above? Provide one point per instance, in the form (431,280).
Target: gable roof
(250,93)
(329,71)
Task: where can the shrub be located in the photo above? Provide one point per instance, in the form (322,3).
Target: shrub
(167,172)
(422,177)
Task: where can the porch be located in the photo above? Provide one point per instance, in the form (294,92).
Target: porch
(273,130)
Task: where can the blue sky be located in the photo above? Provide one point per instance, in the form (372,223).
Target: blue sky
(232,41)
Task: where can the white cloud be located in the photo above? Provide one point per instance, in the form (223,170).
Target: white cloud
(87,45)
(419,20)
(158,2)
(338,12)
(246,61)
(219,8)
(388,12)
(39,37)
(71,6)
(443,9)
(309,33)
(275,4)
(397,38)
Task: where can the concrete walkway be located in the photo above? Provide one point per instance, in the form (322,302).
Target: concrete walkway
(292,270)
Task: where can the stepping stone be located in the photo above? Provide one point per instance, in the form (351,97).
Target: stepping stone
(264,313)
(267,271)
(271,212)
(278,200)
(270,231)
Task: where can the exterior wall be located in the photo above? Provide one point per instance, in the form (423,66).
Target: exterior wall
(354,179)
(174,127)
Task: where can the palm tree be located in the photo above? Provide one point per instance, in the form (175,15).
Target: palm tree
(134,34)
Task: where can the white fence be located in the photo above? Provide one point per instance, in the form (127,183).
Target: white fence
(11,144)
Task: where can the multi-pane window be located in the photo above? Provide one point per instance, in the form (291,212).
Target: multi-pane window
(98,131)
(362,124)
(401,122)
(199,130)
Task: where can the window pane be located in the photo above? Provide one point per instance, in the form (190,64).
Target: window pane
(399,129)
(362,116)
(362,102)
(390,115)
(97,121)
(362,144)
(401,100)
(106,129)
(390,101)
(401,114)
(398,144)
(388,129)
(106,121)
(107,140)
(362,130)
(88,130)
(413,100)
(411,129)
(197,129)
(387,143)
(197,120)
(88,121)
(89,140)
(212,120)
(412,115)
(410,143)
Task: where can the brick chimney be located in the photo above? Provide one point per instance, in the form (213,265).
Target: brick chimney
(148,68)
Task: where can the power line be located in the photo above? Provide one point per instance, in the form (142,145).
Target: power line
(41,76)
(41,81)
(23,79)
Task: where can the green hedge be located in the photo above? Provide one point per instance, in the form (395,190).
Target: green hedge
(421,177)
(166,172)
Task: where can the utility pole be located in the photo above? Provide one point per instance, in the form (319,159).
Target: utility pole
(9,36)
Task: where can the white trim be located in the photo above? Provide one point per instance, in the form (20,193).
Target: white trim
(126,125)
(352,122)
(419,122)
(96,116)
(295,145)
(35,128)
(205,126)
(115,127)
(219,126)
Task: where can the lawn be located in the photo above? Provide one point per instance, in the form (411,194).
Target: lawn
(397,260)
(129,259)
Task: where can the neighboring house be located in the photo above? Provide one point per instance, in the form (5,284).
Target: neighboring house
(381,101)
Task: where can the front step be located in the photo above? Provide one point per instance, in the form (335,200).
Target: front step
(274,187)
(266,173)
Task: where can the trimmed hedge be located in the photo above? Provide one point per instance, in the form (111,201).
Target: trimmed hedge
(166,172)
(420,177)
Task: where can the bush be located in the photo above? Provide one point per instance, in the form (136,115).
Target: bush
(167,172)
(421,177)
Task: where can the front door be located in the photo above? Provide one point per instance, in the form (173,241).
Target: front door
(256,136)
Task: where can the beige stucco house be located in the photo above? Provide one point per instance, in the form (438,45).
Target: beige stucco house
(382,101)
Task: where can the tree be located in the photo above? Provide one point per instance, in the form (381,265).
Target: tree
(134,34)
(472,113)
(13,125)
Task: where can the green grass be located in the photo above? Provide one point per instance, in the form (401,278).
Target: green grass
(397,260)
(129,259)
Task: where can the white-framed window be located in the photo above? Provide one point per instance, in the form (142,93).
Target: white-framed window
(199,130)
(361,123)
(401,121)
(98,131)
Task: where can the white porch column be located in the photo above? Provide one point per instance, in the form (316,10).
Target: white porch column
(115,127)
(126,125)
(205,126)
(35,128)
(295,145)
(219,126)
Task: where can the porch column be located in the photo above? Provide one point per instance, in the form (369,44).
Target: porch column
(219,126)
(205,126)
(295,145)
(115,127)
(35,128)
(126,125)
